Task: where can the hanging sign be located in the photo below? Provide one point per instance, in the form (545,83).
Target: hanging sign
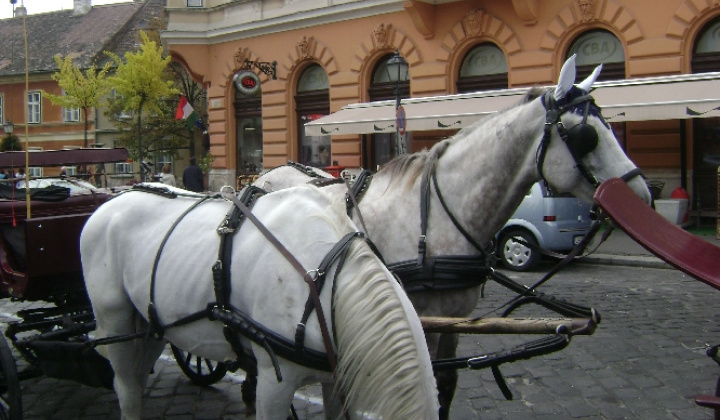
(400,120)
(246,82)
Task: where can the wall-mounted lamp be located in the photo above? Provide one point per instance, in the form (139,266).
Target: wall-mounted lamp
(9,127)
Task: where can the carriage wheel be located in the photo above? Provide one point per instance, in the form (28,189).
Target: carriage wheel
(10,398)
(203,372)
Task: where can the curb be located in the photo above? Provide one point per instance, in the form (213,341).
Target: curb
(642,261)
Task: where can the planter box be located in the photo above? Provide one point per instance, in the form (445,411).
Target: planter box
(673,209)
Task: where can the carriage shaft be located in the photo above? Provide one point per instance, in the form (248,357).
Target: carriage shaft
(581,326)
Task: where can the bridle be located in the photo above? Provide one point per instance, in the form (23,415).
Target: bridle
(580,139)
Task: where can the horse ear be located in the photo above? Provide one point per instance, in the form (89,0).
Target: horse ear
(566,79)
(587,83)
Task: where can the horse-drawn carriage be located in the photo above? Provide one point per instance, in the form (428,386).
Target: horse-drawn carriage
(160,263)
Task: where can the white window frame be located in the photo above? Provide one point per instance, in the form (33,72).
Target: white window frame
(35,171)
(122,115)
(70,170)
(71,114)
(34,107)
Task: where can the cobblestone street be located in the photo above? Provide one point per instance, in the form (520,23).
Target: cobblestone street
(645,361)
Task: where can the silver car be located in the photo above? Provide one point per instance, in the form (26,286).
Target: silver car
(556,222)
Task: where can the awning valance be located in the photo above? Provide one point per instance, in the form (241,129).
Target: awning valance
(645,99)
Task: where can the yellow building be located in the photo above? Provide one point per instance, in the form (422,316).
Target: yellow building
(330,54)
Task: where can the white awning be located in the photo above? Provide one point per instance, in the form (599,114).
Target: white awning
(645,99)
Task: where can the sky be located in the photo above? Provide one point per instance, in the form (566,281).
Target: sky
(43,6)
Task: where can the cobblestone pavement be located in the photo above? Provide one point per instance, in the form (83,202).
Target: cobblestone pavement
(645,361)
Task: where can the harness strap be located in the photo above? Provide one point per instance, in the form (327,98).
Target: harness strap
(298,266)
(362,181)
(459,227)
(155,327)
(340,249)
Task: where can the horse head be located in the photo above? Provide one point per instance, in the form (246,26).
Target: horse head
(578,150)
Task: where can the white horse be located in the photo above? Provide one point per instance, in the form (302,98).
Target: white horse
(482,175)
(383,365)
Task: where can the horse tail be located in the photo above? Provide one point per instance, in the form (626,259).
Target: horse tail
(383,362)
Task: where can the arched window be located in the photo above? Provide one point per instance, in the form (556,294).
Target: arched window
(380,148)
(312,101)
(601,47)
(483,68)
(249,133)
(598,47)
(706,54)
(706,131)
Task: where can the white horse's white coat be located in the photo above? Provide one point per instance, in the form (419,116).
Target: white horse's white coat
(483,172)
(384,365)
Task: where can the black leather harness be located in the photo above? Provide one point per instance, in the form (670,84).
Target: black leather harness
(236,322)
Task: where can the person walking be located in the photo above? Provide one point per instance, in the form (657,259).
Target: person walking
(193,177)
(167,177)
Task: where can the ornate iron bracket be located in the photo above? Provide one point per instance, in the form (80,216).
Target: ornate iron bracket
(268,68)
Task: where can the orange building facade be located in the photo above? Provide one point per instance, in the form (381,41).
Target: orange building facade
(332,53)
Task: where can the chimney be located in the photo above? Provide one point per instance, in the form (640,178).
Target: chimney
(81,7)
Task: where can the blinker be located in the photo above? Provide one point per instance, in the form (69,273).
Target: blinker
(582,139)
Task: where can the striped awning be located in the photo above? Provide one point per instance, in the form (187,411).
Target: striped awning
(643,99)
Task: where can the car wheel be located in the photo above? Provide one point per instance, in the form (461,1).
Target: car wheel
(516,255)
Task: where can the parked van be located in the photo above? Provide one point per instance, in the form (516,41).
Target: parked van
(553,221)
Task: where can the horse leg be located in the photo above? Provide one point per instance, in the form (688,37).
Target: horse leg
(332,406)
(132,362)
(273,398)
(446,379)
(248,391)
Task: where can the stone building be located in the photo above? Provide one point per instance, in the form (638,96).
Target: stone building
(330,54)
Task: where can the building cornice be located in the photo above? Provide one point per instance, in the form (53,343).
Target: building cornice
(206,35)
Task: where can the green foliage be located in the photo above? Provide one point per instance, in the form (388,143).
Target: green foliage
(143,84)
(141,78)
(11,142)
(206,161)
(81,90)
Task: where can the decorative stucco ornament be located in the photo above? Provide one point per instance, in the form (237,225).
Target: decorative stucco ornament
(472,23)
(587,9)
(380,35)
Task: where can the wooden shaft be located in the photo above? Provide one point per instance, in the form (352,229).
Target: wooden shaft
(583,326)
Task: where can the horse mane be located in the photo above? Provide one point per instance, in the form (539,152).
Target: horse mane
(412,165)
(377,350)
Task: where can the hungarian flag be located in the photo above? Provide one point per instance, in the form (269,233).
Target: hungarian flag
(186,112)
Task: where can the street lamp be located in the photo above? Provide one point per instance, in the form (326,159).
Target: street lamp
(9,127)
(397,70)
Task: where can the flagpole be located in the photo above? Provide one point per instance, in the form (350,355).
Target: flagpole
(27,117)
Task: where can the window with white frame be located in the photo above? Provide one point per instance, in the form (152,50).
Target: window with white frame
(35,171)
(70,170)
(34,107)
(121,167)
(124,114)
(71,114)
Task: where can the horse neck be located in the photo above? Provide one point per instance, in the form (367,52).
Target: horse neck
(485,173)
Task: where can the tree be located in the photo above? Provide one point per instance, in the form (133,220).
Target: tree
(11,142)
(82,91)
(143,85)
